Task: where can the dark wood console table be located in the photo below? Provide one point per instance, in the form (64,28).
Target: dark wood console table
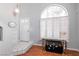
(64,43)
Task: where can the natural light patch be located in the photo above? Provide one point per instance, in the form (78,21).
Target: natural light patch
(54,11)
(54,23)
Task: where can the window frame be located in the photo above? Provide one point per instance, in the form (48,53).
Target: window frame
(61,6)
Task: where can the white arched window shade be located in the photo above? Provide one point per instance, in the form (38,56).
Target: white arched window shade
(54,23)
(54,11)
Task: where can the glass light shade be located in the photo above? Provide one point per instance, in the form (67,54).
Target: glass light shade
(17,11)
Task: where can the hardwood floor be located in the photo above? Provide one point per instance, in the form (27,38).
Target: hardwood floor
(38,51)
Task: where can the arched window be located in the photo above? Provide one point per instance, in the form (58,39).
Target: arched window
(54,23)
(54,11)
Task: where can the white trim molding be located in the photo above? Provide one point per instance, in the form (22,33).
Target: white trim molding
(73,49)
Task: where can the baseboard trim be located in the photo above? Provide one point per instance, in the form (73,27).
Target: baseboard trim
(38,44)
(73,49)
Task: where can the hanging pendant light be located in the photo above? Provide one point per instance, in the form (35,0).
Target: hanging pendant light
(16,10)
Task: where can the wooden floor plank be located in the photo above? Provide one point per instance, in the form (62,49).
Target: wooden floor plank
(38,51)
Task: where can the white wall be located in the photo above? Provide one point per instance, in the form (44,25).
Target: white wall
(77,16)
(10,36)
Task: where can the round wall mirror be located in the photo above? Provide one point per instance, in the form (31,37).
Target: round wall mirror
(11,24)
